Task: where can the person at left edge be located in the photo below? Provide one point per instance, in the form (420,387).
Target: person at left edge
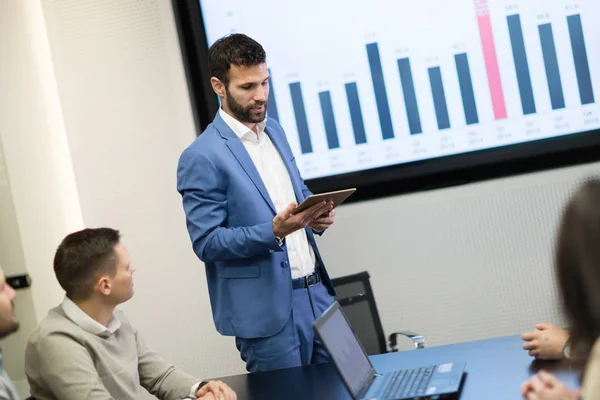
(239,183)
(9,324)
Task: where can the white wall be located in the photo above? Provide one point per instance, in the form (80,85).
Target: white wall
(12,261)
(454,264)
(39,200)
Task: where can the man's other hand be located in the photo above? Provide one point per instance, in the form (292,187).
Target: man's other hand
(546,342)
(323,221)
(285,223)
(545,386)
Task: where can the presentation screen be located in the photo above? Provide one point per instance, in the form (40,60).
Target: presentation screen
(364,85)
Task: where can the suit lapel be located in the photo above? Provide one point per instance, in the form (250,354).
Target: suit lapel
(288,165)
(240,153)
(242,156)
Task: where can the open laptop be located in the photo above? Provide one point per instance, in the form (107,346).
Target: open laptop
(364,383)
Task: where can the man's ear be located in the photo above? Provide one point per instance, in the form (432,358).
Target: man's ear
(104,285)
(218,86)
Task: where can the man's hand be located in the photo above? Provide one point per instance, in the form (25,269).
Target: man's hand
(285,223)
(215,390)
(546,342)
(323,222)
(544,386)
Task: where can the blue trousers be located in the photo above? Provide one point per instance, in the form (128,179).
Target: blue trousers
(296,343)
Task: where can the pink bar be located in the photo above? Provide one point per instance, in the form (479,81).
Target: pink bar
(481,7)
(491,63)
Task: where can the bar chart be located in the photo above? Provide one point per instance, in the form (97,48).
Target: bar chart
(466,88)
(582,67)
(491,59)
(480,74)
(410,97)
(358,125)
(383,108)
(551,66)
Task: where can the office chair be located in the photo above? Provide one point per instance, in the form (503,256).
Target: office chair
(355,295)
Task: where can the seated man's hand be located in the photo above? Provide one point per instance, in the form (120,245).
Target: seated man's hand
(546,342)
(207,396)
(544,386)
(215,390)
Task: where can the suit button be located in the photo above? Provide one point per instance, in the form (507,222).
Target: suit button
(285,264)
(271,251)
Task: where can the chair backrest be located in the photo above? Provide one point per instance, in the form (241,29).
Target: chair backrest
(356,297)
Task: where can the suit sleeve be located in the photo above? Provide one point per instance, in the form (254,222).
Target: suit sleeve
(203,190)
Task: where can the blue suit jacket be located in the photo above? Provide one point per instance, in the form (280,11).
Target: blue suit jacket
(230,220)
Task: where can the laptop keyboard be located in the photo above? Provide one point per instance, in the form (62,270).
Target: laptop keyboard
(406,383)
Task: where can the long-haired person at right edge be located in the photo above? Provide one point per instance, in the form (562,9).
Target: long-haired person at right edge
(578,274)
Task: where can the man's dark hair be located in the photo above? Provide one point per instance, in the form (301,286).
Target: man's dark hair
(235,49)
(82,257)
(578,266)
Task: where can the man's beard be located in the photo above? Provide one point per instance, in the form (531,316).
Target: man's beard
(246,114)
(8,328)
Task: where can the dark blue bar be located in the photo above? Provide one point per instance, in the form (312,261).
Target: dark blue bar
(329,120)
(521,64)
(582,68)
(551,65)
(410,96)
(383,107)
(358,124)
(272,106)
(439,98)
(466,88)
(301,121)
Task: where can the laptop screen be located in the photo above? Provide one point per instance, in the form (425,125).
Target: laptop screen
(344,349)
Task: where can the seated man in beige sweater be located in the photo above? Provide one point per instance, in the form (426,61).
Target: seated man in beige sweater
(85,349)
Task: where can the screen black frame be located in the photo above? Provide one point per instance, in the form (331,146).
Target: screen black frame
(446,171)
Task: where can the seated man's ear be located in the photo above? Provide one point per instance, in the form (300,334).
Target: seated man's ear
(104,286)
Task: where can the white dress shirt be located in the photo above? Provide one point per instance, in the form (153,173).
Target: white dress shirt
(276,178)
(88,324)
(7,388)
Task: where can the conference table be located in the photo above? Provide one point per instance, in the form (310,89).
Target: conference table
(496,368)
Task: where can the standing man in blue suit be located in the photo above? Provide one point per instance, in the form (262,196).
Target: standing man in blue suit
(240,183)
